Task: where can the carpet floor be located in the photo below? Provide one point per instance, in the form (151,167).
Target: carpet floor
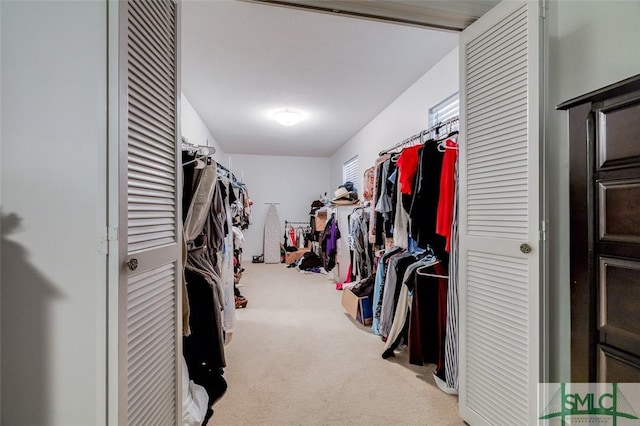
(296,358)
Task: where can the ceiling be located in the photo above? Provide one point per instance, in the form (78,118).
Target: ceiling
(242,60)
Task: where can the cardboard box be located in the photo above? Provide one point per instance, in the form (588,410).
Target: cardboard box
(358,307)
(292,256)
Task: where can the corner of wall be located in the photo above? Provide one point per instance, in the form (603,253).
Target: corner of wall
(196,131)
(404,117)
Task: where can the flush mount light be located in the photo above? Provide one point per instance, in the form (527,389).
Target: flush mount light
(288,117)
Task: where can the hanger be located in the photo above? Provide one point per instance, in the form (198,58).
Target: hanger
(442,143)
(200,158)
(420,272)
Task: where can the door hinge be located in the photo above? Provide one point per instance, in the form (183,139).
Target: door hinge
(109,234)
(543,230)
(103,243)
(543,9)
(112,233)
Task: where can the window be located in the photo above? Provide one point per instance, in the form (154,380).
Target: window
(350,171)
(445,110)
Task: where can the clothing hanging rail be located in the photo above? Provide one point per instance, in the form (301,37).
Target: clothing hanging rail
(198,151)
(420,135)
(288,222)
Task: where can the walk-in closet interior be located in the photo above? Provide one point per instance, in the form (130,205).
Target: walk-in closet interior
(317,212)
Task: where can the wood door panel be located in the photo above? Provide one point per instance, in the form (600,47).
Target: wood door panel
(616,366)
(617,127)
(619,284)
(619,210)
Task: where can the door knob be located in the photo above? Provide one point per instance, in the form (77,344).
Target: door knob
(132,264)
(525,248)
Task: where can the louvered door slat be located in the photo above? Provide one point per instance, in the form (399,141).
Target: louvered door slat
(499,210)
(150,177)
(142,120)
(501,141)
(148,54)
(152,214)
(146,110)
(135,168)
(146,19)
(506,27)
(160,13)
(141,152)
(142,78)
(511,54)
(149,108)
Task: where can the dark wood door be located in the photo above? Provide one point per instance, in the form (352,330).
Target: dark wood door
(605,234)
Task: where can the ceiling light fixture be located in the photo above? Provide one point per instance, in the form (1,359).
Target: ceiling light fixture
(288,117)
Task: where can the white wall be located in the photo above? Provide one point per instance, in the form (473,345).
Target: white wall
(591,44)
(194,129)
(294,182)
(404,117)
(53,180)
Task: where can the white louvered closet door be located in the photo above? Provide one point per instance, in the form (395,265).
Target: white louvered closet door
(149,338)
(500,248)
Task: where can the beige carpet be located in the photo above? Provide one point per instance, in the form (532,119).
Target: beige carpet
(297,359)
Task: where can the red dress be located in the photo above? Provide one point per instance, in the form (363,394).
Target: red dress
(447,192)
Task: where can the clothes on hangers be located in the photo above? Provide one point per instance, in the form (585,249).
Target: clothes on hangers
(369,182)
(447,190)
(408,166)
(451,342)
(398,333)
(424,206)
(378,291)
(375,217)
(413,195)
(361,264)
(330,237)
(395,272)
(208,200)
(428,318)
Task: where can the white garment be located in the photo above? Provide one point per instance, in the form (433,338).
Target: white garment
(194,400)
(401,225)
(238,238)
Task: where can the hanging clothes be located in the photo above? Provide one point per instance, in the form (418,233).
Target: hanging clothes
(330,237)
(451,344)
(378,291)
(427,326)
(447,192)
(400,327)
(210,197)
(408,166)
(369,181)
(361,264)
(395,272)
(424,206)
(375,220)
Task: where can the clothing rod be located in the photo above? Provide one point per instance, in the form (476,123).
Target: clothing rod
(197,158)
(272,203)
(188,146)
(420,135)
(296,223)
